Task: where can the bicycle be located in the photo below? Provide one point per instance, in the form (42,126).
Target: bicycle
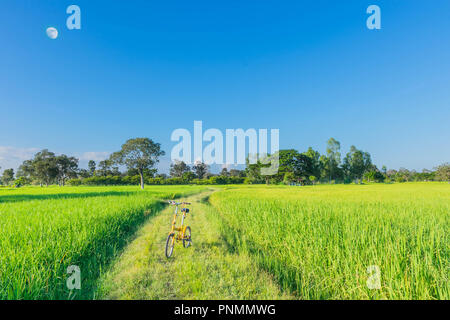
(182,233)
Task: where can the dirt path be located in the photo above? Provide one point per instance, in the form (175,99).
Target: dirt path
(206,270)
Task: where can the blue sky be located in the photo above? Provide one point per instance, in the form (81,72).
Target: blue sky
(309,68)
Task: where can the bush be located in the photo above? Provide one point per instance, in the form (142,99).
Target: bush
(22,181)
(135,180)
(74,182)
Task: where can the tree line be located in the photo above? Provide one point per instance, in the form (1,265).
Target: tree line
(140,155)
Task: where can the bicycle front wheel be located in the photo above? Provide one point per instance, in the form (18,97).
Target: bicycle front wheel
(187,237)
(170,242)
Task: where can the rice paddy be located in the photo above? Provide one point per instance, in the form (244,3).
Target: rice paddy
(327,242)
(45,230)
(377,241)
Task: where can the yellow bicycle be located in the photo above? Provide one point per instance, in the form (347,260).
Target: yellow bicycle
(182,233)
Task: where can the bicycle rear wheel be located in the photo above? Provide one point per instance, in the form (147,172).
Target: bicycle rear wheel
(170,242)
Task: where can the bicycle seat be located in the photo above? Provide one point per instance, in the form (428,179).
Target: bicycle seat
(185,210)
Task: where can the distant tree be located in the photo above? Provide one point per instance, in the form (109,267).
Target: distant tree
(26,170)
(443,172)
(354,164)
(83,173)
(334,157)
(315,164)
(200,169)
(8,176)
(292,161)
(188,176)
(92,166)
(148,173)
(403,175)
(367,161)
(312,179)
(224,172)
(21,182)
(140,154)
(104,168)
(289,177)
(178,168)
(237,173)
(374,175)
(253,172)
(426,175)
(115,172)
(161,176)
(325,172)
(66,168)
(384,170)
(43,167)
(391,173)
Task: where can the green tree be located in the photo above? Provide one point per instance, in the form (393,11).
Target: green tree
(148,173)
(334,158)
(188,176)
(200,169)
(224,172)
(92,166)
(43,167)
(26,170)
(8,176)
(237,173)
(83,173)
(374,175)
(104,168)
(290,160)
(253,172)
(19,182)
(443,172)
(315,163)
(140,154)
(354,164)
(289,177)
(67,167)
(178,168)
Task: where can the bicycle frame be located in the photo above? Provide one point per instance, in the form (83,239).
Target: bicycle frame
(181,233)
(182,228)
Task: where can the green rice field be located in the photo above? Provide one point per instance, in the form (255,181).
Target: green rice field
(45,230)
(319,241)
(314,242)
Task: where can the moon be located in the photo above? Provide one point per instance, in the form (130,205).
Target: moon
(52,33)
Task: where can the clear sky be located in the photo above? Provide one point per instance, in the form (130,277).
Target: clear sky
(144,68)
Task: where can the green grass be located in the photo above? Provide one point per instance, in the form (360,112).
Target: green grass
(206,270)
(319,241)
(44,230)
(249,242)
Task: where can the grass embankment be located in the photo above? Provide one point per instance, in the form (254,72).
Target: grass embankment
(45,230)
(206,270)
(319,241)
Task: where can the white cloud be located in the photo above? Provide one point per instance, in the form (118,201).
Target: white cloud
(94,155)
(12,157)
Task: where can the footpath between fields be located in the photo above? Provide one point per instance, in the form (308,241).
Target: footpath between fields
(206,270)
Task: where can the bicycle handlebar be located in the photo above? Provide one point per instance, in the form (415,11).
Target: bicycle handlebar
(171,202)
